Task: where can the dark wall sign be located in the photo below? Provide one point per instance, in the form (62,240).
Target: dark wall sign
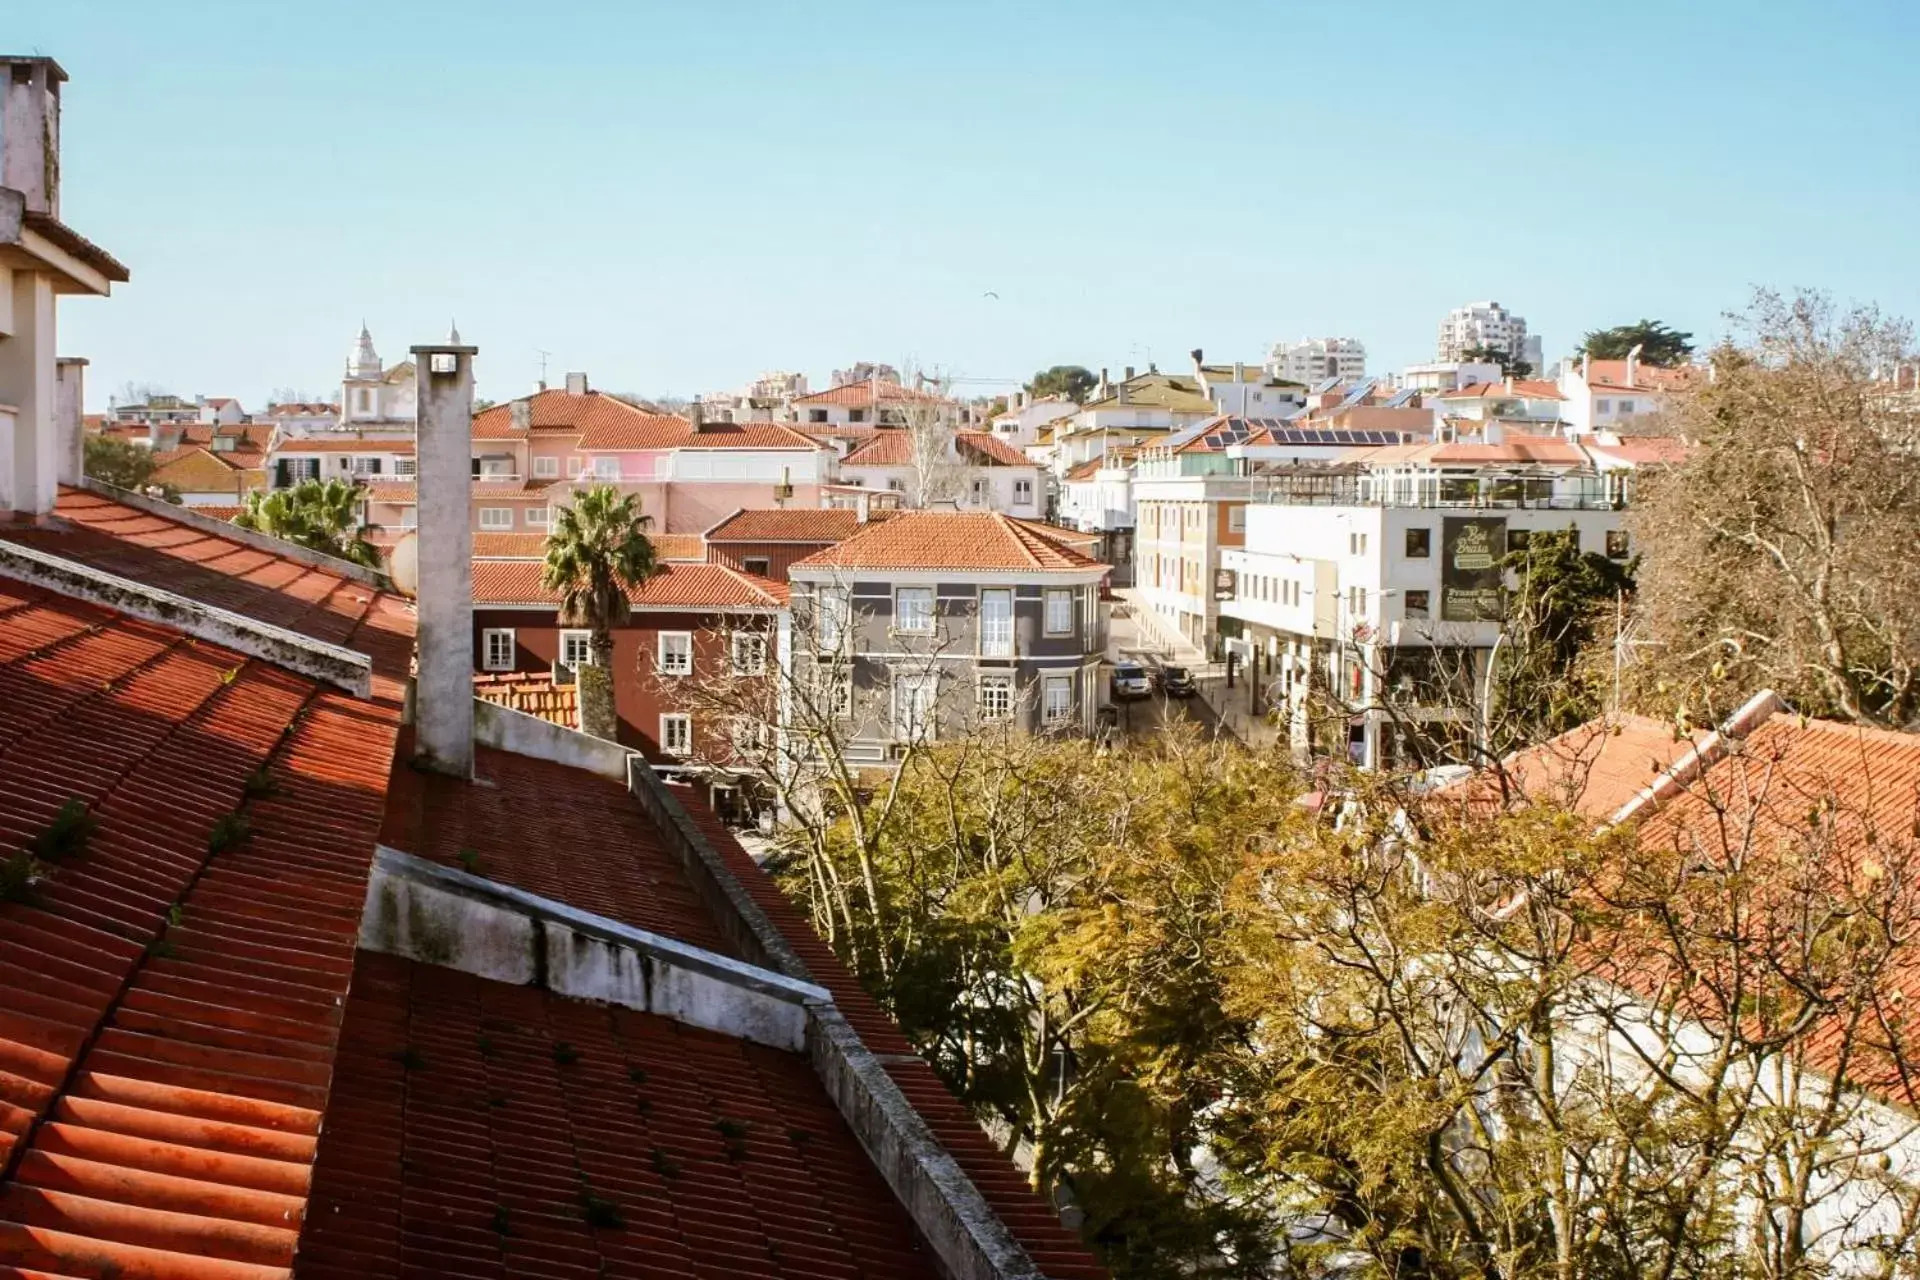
(1471,548)
(1226,584)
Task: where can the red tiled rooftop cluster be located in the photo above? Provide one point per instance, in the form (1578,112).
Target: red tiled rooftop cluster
(985,540)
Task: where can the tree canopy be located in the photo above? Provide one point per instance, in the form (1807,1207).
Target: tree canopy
(1659,345)
(322,516)
(1068,381)
(1511,364)
(121,463)
(598,551)
(1783,546)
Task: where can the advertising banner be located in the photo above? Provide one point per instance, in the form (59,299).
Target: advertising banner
(1471,548)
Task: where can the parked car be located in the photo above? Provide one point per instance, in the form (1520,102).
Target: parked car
(1130,682)
(1176,682)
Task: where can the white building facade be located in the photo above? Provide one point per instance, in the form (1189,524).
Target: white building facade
(1312,360)
(1485,324)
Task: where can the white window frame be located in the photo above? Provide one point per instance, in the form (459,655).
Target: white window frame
(606,468)
(570,637)
(765,562)
(832,617)
(490,519)
(573,466)
(489,637)
(404,467)
(675,660)
(546,468)
(917,732)
(1236,519)
(1049,712)
(1001,687)
(539,517)
(995,646)
(1023,493)
(1063,596)
(838,686)
(900,624)
(756,647)
(676,725)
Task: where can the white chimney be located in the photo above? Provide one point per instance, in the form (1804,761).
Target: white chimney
(69,418)
(1633,366)
(30,131)
(862,507)
(520,415)
(697,415)
(576,384)
(1586,367)
(443,688)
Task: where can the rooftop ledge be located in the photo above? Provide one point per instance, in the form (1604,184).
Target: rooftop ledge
(316,659)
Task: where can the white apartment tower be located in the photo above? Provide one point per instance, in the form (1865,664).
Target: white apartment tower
(1485,324)
(1312,360)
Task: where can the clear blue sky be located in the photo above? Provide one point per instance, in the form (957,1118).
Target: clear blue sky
(674,196)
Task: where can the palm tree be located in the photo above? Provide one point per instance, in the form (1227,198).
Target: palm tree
(597,551)
(321,516)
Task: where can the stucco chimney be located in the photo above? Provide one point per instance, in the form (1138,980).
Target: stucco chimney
(862,507)
(30,131)
(443,689)
(69,409)
(1125,391)
(1105,388)
(1239,372)
(163,435)
(1633,366)
(697,415)
(1586,367)
(1127,373)
(1509,384)
(576,384)
(520,415)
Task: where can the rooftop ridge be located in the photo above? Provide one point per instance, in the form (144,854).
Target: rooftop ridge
(246,537)
(331,663)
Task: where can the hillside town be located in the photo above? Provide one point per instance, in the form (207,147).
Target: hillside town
(1270,815)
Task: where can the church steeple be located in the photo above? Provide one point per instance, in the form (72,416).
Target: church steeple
(365,361)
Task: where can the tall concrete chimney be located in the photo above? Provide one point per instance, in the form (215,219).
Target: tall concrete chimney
(520,415)
(576,384)
(1633,365)
(30,131)
(443,689)
(697,415)
(69,418)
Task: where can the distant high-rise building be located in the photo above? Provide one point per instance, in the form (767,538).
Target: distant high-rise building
(1489,325)
(1313,360)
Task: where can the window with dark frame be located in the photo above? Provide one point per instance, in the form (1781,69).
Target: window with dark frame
(1419,544)
(1417,604)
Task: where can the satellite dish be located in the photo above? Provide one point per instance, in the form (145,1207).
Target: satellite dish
(403,565)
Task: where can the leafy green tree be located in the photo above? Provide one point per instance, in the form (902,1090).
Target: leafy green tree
(598,552)
(122,464)
(322,516)
(1549,674)
(1068,381)
(1659,345)
(1511,365)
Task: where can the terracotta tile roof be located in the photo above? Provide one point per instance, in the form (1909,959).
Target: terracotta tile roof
(216,570)
(894,448)
(678,546)
(1522,389)
(316,444)
(555,411)
(515,489)
(1611,375)
(174,994)
(1543,450)
(532,692)
(1118,458)
(665,431)
(824,525)
(983,540)
(509,546)
(217,512)
(558,832)
(1594,768)
(861,394)
(678,585)
(1644,451)
(420,1169)
(295,409)
(403,492)
(1078,539)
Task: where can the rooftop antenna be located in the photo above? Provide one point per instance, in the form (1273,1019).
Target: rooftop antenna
(544,356)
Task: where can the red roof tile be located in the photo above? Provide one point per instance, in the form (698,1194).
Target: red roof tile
(555,412)
(664,431)
(1515,448)
(984,540)
(862,394)
(551,830)
(402,492)
(509,546)
(1594,768)
(513,490)
(1611,375)
(823,525)
(459,1145)
(217,512)
(678,546)
(533,693)
(1521,389)
(678,585)
(174,997)
(894,448)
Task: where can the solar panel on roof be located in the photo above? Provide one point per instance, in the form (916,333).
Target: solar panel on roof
(1323,386)
(1402,398)
(1358,394)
